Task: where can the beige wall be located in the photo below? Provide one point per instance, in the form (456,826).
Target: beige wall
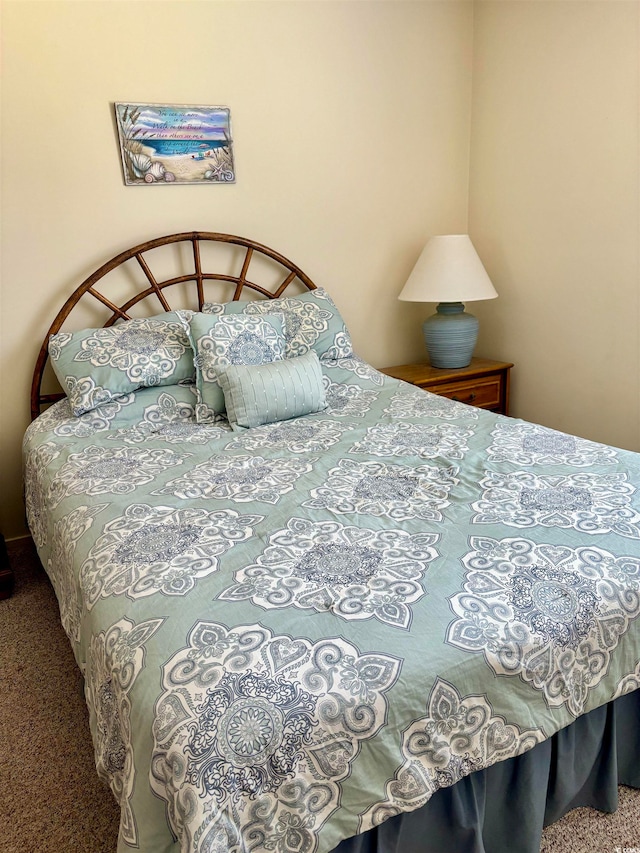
(354,123)
(351,124)
(553,208)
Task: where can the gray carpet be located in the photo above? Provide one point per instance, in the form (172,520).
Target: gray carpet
(51,800)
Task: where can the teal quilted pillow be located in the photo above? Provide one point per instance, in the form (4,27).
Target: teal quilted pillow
(278,391)
(223,340)
(96,365)
(312,321)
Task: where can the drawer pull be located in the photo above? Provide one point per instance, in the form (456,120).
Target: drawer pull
(470,398)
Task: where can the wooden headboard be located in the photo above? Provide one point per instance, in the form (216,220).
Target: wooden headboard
(148,285)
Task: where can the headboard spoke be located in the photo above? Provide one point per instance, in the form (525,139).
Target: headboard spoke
(242,280)
(285,284)
(153,282)
(110,305)
(198,268)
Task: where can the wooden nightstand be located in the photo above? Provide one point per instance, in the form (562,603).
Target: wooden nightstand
(483,383)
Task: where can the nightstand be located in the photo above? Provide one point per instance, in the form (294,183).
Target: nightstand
(483,383)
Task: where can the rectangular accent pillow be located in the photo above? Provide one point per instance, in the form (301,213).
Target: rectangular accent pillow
(96,365)
(221,340)
(312,321)
(278,391)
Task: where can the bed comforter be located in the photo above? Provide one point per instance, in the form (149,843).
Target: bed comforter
(291,633)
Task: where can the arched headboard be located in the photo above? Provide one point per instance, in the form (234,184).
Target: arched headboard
(193,272)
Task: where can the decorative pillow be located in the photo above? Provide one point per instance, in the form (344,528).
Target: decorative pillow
(278,391)
(312,321)
(219,341)
(96,365)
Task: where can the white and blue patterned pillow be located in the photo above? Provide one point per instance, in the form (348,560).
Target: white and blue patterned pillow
(312,321)
(222,340)
(94,366)
(264,393)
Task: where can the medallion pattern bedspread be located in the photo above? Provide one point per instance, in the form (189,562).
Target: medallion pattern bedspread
(292,632)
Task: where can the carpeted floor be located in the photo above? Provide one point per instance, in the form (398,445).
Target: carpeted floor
(51,800)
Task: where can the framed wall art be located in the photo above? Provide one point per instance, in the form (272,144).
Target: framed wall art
(173,144)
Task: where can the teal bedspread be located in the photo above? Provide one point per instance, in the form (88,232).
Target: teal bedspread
(293,632)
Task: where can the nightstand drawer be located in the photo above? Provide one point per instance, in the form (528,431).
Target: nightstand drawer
(482,383)
(484,393)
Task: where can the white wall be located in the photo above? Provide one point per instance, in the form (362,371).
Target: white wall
(351,124)
(554,207)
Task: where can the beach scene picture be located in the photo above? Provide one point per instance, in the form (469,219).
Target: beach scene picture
(167,144)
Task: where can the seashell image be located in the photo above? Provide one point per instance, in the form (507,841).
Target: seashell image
(169,176)
(149,179)
(140,163)
(157,170)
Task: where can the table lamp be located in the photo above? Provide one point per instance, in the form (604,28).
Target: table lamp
(449,272)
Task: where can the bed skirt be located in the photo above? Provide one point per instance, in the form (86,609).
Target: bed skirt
(506,806)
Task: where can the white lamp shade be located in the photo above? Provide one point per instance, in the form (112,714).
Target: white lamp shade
(448,270)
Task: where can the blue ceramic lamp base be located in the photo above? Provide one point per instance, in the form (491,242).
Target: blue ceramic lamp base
(450,335)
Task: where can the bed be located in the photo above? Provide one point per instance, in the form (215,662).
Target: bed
(317,608)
